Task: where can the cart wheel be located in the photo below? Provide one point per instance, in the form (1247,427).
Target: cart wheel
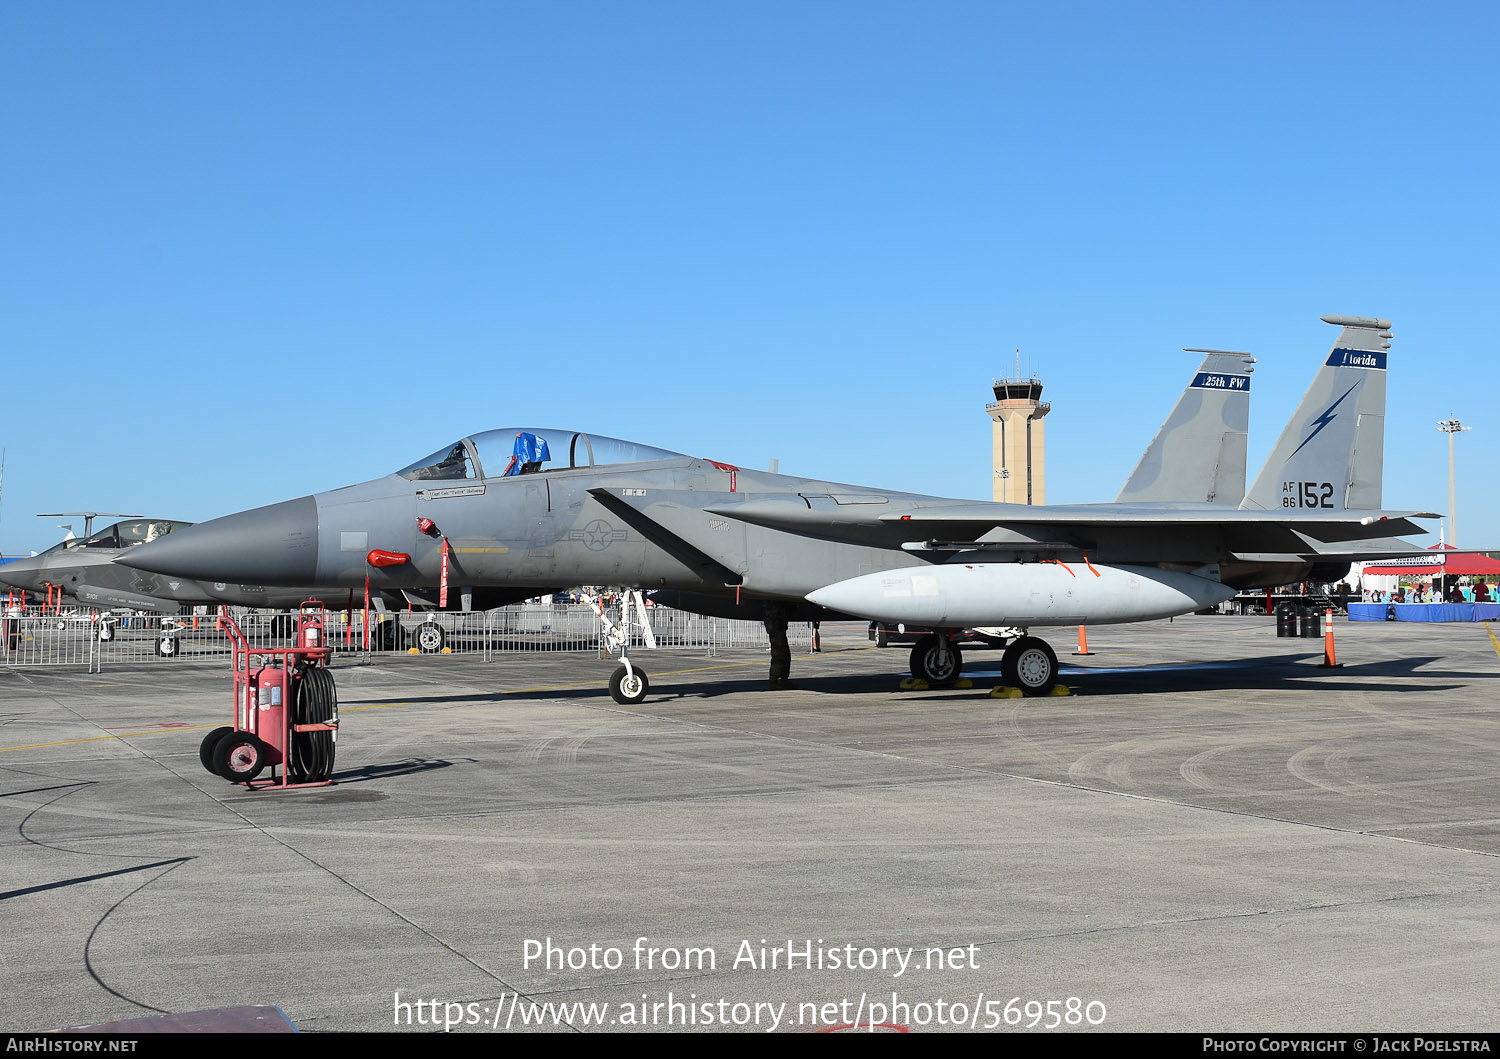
(430,637)
(239,757)
(626,688)
(206,748)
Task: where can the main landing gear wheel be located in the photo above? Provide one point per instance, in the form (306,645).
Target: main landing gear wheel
(106,632)
(430,637)
(282,626)
(1029,664)
(239,757)
(210,742)
(936,660)
(386,636)
(168,647)
(628,687)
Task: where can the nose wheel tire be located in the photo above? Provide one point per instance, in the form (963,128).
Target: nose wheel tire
(168,647)
(1030,664)
(936,661)
(628,687)
(430,637)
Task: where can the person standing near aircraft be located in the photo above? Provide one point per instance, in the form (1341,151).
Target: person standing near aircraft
(13,627)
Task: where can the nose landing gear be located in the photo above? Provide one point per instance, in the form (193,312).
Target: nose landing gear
(628,684)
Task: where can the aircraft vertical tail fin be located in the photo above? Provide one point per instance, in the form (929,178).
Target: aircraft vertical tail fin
(1198,455)
(1332,453)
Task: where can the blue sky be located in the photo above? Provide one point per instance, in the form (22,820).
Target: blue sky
(254,251)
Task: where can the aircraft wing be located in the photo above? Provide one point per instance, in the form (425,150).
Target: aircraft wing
(837,519)
(1318,525)
(973,520)
(1153,533)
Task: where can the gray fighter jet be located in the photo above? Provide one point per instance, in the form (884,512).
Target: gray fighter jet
(521,511)
(84,569)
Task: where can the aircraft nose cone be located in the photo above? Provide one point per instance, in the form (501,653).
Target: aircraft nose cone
(20,574)
(272,545)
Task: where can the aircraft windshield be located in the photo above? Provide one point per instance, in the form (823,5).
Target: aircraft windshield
(447,463)
(526,450)
(123,534)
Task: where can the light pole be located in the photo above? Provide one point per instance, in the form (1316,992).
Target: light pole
(1451,426)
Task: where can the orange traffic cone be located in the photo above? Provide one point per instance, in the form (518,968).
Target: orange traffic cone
(1328,659)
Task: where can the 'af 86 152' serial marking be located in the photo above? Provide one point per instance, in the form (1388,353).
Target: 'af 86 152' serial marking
(1307,494)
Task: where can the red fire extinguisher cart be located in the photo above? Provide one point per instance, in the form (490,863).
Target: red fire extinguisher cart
(285,710)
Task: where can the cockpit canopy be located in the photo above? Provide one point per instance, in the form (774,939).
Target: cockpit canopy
(527,450)
(122,534)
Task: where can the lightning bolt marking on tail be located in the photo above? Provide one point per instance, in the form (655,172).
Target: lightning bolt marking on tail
(1323,420)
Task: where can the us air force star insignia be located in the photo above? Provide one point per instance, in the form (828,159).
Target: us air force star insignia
(597,535)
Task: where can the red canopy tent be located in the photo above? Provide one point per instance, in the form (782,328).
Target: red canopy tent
(1445,563)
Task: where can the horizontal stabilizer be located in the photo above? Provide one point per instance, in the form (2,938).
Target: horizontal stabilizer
(1364,551)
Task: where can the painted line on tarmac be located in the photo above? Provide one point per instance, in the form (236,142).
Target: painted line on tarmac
(1493,639)
(140,727)
(595,682)
(97,738)
(552,687)
(383,705)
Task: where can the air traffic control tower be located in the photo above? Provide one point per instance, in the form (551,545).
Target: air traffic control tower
(1019,447)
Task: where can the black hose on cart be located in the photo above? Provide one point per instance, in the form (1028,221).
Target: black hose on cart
(311,757)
